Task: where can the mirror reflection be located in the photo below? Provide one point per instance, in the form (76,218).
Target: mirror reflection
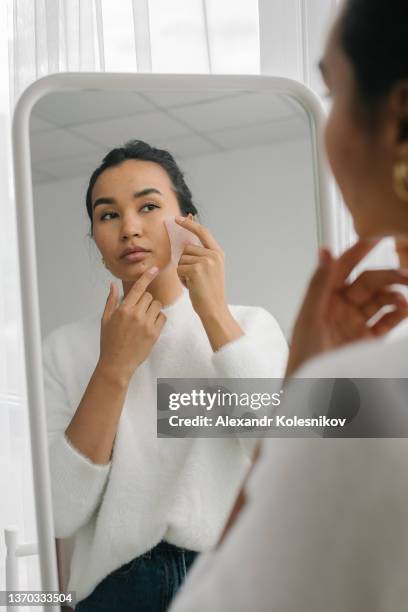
(209,295)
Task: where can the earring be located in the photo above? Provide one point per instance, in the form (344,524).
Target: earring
(104,263)
(401,179)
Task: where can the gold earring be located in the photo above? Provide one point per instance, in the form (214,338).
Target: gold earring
(401,179)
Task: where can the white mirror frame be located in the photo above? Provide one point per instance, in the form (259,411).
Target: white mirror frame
(60,82)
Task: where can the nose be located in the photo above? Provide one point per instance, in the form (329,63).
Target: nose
(131,226)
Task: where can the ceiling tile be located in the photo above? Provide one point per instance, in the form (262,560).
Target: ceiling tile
(37,124)
(168,99)
(254,135)
(116,132)
(187,146)
(57,143)
(40,177)
(69,167)
(234,111)
(74,107)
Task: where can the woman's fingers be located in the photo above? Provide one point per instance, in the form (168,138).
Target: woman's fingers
(139,287)
(320,287)
(350,258)
(371,281)
(381,299)
(189,257)
(153,310)
(111,302)
(160,321)
(188,260)
(144,302)
(200,231)
(389,321)
(183,272)
(349,321)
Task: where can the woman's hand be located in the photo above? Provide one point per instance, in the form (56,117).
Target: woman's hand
(201,270)
(336,312)
(129,331)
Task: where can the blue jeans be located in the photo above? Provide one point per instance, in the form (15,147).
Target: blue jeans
(146,584)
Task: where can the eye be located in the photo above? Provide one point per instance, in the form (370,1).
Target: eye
(107,213)
(150,206)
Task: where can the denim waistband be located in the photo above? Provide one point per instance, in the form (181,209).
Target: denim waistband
(166,546)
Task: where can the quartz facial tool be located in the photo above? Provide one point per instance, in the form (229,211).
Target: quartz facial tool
(179,238)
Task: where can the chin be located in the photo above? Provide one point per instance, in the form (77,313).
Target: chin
(136,270)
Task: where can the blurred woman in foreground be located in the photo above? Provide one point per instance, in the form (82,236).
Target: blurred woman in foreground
(320,524)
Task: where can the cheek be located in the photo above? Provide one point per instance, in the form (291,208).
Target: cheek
(101,240)
(161,239)
(336,144)
(344,149)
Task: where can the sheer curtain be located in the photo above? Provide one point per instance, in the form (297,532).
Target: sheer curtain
(292,38)
(300,28)
(39,37)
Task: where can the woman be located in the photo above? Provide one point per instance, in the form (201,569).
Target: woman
(140,508)
(322,523)
(401,247)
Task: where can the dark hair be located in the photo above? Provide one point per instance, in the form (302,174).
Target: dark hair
(137,149)
(374,37)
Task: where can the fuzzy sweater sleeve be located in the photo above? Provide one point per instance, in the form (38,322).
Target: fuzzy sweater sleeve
(262,352)
(76,482)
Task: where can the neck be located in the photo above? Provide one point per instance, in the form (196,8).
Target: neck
(165,288)
(401,243)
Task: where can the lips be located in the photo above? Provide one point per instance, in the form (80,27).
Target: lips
(133,250)
(135,256)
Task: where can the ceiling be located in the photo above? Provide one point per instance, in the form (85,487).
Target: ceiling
(71,132)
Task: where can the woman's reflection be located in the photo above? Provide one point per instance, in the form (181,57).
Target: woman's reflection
(140,508)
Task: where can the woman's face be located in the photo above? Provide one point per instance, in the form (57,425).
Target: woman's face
(362,158)
(140,198)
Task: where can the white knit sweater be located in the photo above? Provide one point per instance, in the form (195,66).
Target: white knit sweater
(325,526)
(180,490)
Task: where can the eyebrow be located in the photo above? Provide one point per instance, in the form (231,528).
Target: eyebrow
(138,194)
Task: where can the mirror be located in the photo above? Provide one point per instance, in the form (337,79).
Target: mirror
(248,161)
(249,150)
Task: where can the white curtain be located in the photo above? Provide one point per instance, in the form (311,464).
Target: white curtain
(299,31)
(39,37)
(292,39)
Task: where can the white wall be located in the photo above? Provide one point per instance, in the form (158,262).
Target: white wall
(258,203)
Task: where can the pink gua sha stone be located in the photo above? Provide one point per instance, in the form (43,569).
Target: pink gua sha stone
(179,238)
